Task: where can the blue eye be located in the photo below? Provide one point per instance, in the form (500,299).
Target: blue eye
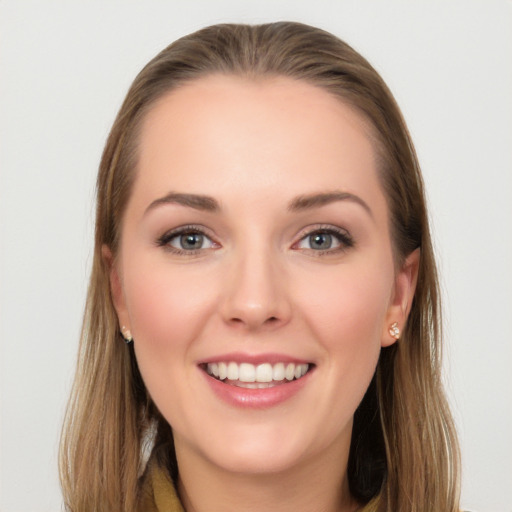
(186,240)
(322,241)
(325,240)
(189,241)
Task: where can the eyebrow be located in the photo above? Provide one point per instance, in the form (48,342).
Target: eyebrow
(317,200)
(304,202)
(198,202)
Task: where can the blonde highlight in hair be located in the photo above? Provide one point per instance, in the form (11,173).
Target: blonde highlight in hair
(404,448)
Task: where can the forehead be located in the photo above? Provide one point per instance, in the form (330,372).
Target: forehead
(221,130)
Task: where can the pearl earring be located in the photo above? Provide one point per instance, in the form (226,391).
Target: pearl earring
(394,330)
(127,335)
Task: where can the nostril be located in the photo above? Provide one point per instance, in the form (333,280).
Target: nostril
(273,320)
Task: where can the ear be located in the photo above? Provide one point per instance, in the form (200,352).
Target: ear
(401,300)
(116,289)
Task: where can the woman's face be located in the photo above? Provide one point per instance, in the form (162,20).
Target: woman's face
(255,245)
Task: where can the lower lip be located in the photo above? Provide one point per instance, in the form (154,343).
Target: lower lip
(256,398)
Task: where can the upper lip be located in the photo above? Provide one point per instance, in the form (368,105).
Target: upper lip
(240,357)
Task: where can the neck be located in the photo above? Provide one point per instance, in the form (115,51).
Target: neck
(320,485)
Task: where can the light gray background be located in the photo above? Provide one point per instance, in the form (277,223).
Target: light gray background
(64,69)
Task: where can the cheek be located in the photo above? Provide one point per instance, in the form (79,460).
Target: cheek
(348,302)
(164,301)
(167,308)
(346,311)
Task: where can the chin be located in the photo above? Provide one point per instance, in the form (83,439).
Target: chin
(259,449)
(259,462)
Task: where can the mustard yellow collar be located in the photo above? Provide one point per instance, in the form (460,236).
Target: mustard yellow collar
(159,494)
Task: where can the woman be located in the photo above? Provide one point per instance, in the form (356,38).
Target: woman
(262,246)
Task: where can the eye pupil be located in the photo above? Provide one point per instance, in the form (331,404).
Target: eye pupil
(191,241)
(320,241)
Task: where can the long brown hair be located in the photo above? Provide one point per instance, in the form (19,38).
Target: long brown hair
(404,448)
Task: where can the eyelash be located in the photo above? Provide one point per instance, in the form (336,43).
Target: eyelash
(166,238)
(344,239)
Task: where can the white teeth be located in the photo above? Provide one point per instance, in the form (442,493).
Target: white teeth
(232,371)
(223,371)
(246,372)
(289,373)
(214,368)
(261,375)
(278,371)
(264,373)
(253,385)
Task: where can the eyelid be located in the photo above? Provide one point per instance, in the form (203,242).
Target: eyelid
(344,238)
(163,240)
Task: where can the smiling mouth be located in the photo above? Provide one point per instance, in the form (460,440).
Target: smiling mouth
(261,376)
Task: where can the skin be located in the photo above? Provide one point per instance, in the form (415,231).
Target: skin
(257,285)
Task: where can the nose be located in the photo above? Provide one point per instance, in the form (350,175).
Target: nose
(255,294)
